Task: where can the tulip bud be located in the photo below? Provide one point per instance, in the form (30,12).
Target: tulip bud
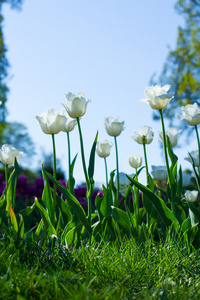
(113,126)
(191,114)
(144,135)
(8,153)
(51,122)
(157,96)
(172,134)
(76,105)
(191,196)
(103,149)
(135,161)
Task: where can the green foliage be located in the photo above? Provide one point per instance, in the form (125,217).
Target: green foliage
(182,67)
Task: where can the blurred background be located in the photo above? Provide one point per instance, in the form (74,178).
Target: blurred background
(110,50)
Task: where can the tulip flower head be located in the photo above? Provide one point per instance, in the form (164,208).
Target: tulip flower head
(70,122)
(191,196)
(195,157)
(113,126)
(159,172)
(144,135)
(191,114)
(75,105)
(172,133)
(51,122)
(103,149)
(135,161)
(8,153)
(157,97)
(123,182)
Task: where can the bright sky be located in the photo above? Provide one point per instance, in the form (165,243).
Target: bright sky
(107,49)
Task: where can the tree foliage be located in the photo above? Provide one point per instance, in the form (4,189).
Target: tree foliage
(182,67)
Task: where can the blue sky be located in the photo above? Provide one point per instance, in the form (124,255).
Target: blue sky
(107,49)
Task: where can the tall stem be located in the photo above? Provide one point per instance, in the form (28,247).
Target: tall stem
(106,170)
(137,201)
(145,158)
(54,173)
(166,160)
(83,155)
(198,141)
(116,203)
(69,164)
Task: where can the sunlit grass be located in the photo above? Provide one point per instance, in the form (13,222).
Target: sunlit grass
(103,271)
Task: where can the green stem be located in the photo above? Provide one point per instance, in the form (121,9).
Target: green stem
(54,173)
(116,202)
(166,160)
(69,164)
(145,158)
(137,201)
(83,155)
(197,134)
(106,170)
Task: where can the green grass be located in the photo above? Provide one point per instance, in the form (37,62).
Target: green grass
(109,271)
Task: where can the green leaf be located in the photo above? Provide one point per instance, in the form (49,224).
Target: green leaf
(44,214)
(103,204)
(21,227)
(92,158)
(27,211)
(121,217)
(193,213)
(74,203)
(48,199)
(12,183)
(13,218)
(164,212)
(65,210)
(172,156)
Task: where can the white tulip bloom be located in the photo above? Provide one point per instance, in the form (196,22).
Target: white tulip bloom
(70,122)
(195,157)
(113,126)
(76,105)
(144,135)
(191,114)
(51,122)
(159,172)
(123,182)
(191,196)
(157,97)
(8,153)
(135,161)
(172,133)
(103,149)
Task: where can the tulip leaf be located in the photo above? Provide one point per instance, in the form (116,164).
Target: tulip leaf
(92,158)
(65,210)
(103,204)
(121,217)
(172,156)
(21,227)
(74,203)
(186,224)
(164,212)
(27,211)
(12,183)
(48,199)
(194,214)
(44,214)
(13,218)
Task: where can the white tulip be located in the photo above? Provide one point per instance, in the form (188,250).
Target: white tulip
(76,105)
(113,126)
(51,122)
(157,96)
(70,122)
(195,157)
(191,196)
(103,149)
(123,182)
(159,172)
(8,153)
(172,133)
(144,135)
(191,114)
(135,161)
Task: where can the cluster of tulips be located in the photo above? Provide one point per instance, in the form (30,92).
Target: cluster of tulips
(52,122)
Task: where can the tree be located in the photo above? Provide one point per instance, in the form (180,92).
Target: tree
(11,132)
(182,67)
